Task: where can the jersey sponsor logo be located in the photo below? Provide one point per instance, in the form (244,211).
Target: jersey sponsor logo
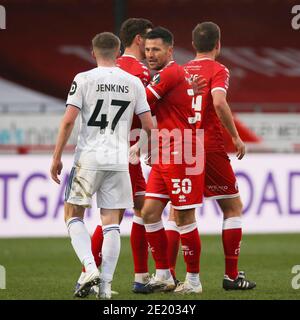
(73,88)
(155,80)
(192,67)
(217,188)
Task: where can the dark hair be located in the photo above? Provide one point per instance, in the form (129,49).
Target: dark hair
(132,27)
(205,36)
(107,43)
(161,33)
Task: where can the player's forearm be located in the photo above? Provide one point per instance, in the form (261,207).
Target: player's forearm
(145,139)
(147,126)
(64,133)
(224,114)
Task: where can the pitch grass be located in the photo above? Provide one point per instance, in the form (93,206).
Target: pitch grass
(48,268)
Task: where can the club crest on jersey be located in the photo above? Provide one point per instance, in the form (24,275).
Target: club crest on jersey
(155,80)
(73,88)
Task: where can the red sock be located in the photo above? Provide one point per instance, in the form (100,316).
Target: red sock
(97,240)
(173,247)
(231,244)
(139,246)
(158,242)
(191,247)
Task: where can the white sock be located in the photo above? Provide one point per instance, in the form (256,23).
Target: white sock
(232,223)
(171,225)
(81,242)
(138,220)
(141,277)
(193,278)
(163,274)
(81,277)
(110,250)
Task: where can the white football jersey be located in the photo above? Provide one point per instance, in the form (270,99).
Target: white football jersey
(107,98)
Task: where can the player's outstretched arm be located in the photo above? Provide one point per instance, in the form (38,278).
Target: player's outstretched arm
(145,137)
(224,113)
(147,122)
(65,130)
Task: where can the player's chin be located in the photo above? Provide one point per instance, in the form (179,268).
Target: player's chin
(153,65)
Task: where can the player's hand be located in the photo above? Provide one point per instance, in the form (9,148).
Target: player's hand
(198,84)
(240,147)
(134,154)
(147,160)
(55,170)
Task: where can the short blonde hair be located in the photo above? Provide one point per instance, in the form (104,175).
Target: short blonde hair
(106,44)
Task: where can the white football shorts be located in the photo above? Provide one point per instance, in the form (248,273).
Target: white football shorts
(113,188)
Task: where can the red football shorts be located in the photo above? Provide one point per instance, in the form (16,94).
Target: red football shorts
(220,181)
(172,183)
(137,180)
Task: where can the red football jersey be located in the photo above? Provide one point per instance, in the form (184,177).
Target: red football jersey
(172,93)
(217,77)
(133,66)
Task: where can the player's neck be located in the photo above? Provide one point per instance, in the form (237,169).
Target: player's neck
(205,55)
(133,51)
(105,63)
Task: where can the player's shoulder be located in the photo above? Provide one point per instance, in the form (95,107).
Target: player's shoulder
(82,75)
(135,67)
(131,62)
(172,65)
(199,63)
(86,75)
(130,78)
(170,69)
(140,66)
(141,70)
(220,67)
(125,62)
(171,73)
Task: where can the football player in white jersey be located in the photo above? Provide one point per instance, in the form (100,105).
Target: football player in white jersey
(106,98)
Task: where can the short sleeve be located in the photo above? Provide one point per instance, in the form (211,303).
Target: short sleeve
(220,80)
(141,105)
(163,82)
(75,96)
(145,76)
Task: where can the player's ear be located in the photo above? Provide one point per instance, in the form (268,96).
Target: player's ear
(138,39)
(193,45)
(119,53)
(170,50)
(93,54)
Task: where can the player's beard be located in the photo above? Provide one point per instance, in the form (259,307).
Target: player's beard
(157,67)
